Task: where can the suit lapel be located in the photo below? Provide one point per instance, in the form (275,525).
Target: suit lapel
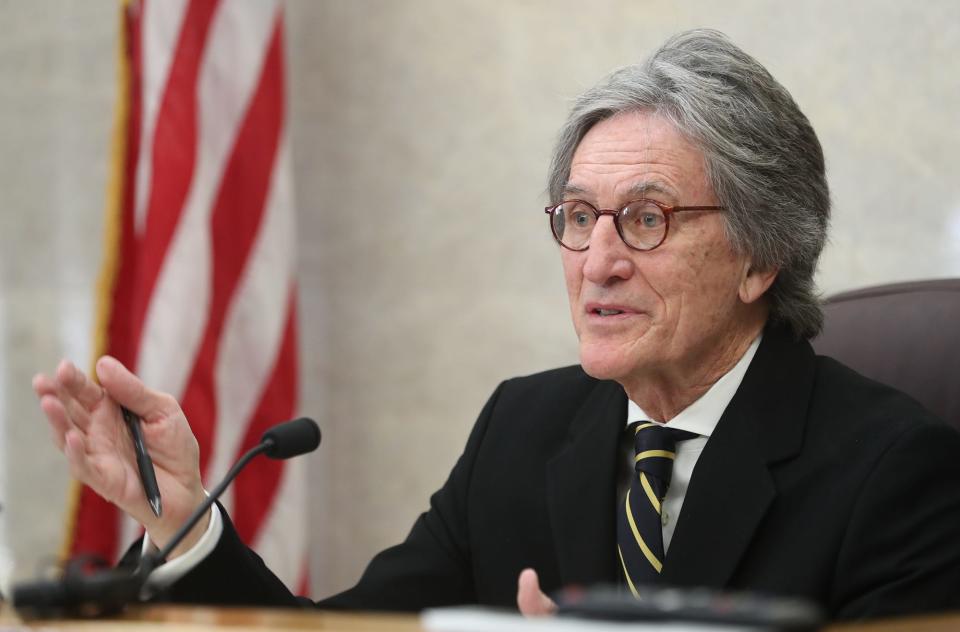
(732,487)
(581,489)
(729,494)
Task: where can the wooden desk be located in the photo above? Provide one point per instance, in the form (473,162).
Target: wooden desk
(205,619)
(190,619)
(937,623)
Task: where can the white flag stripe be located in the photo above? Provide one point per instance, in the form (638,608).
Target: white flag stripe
(255,320)
(236,46)
(283,537)
(169,341)
(162,22)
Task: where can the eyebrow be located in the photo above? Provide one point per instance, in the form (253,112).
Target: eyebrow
(642,189)
(638,190)
(572,189)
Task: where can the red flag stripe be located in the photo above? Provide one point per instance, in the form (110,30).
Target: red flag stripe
(173,156)
(261,479)
(227,81)
(236,218)
(165,20)
(253,331)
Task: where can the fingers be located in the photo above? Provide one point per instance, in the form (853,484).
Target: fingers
(62,410)
(531,601)
(43,385)
(77,394)
(57,416)
(129,391)
(75,450)
(78,385)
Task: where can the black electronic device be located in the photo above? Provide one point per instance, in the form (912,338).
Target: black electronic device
(744,609)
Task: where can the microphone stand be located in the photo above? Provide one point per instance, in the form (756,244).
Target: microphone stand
(152,560)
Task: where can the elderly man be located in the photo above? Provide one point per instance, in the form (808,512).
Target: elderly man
(700,443)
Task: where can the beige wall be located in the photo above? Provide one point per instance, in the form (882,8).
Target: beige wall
(438,116)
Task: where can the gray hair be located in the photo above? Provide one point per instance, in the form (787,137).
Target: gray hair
(762,157)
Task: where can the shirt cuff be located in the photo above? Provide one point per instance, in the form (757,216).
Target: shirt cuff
(169,572)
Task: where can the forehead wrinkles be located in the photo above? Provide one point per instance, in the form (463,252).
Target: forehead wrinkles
(617,149)
(635,149)
(625,149)
(651,169)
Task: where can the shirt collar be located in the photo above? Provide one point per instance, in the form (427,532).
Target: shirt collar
(702,415)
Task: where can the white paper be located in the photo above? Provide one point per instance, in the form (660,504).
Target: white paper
(475,619)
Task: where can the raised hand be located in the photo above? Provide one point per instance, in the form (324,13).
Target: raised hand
(88,427)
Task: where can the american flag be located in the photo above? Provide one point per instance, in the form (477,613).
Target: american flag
(197,292)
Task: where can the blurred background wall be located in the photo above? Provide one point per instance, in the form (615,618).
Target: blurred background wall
(437,117)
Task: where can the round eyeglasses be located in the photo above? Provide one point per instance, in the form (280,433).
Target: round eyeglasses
(642,224)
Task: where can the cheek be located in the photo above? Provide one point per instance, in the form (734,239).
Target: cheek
(712,282)
(703,285)
(573,278)
(572,272)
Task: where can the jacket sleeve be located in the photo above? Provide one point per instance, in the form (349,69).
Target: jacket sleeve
(431,567)
(901,552)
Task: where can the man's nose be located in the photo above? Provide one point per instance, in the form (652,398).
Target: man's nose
(608,258)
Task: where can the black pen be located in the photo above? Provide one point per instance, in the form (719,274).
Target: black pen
(147,474)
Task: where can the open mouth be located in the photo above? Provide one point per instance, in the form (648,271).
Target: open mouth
(607,312)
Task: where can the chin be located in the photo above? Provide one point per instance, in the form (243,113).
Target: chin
(604,364)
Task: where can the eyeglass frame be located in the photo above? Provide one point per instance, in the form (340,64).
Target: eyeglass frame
(666,209)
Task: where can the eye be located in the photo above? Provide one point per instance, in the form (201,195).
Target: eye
(581,218)
(650,219)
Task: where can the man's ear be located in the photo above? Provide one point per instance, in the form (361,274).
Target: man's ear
(755,282)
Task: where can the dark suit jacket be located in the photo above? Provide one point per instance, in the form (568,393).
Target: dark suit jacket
(817,482)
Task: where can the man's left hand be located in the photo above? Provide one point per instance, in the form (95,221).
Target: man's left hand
(530,599)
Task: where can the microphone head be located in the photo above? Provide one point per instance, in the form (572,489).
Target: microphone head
(291,438)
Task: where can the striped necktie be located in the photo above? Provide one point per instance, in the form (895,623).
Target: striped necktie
(639,531)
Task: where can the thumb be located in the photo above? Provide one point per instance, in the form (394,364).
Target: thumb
(530,599)
(129,391)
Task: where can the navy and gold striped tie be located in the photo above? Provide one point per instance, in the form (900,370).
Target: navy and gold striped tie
(639,530)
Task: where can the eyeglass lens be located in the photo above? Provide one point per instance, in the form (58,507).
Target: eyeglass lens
(642,224)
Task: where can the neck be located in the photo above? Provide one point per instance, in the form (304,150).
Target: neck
(663,394)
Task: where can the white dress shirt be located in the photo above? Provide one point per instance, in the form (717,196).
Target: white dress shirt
(171,571)
(700,417)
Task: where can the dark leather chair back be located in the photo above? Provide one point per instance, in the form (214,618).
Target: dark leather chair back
(906,335)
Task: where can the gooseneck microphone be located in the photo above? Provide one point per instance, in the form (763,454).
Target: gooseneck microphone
(283,441)
(105,592)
